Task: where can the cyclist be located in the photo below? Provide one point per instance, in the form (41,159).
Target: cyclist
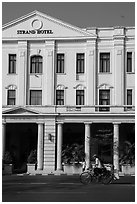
(99,166)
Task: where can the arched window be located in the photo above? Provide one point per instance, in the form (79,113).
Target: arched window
(80,94)
(36,64)
(11,95)
(104,96)
(60,94)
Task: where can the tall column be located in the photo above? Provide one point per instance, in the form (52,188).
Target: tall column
(116,146)
(3,138)
(40,147)
(59,145)
(87,144)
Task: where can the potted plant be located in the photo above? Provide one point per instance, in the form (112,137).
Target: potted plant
(73,156)
(7,163)
(127,160)
(32,161)
(67,159)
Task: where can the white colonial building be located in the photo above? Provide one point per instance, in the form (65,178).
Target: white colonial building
(63,85)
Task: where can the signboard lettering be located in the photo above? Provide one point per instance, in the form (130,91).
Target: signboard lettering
(20,32)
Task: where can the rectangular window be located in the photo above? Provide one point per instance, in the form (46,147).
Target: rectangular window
(129,97)
(129,61)
(11,97)
(36,64)
(80,63)
(12,63)
(60,63)
(104,99)
(36,97)
(79,97)
(59,97)
(104,62)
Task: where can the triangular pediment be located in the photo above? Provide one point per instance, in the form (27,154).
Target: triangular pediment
(39,25)
(20,111)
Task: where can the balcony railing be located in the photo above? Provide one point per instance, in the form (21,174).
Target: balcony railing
(95,109)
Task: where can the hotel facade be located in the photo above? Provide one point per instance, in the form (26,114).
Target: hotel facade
(62,85)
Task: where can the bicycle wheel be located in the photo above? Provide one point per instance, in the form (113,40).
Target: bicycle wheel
(107,179)
(85,178)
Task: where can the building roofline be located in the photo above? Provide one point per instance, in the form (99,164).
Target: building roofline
(108,27)
(5,26)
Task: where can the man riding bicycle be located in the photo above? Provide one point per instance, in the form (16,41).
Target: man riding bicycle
(99,166)
(97,173)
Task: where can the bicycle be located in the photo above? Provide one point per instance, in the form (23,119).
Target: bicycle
(106,177)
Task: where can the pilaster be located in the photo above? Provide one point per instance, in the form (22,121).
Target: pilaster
(49,85)
(119,69)
(49,145)
(91,72)
(22,73)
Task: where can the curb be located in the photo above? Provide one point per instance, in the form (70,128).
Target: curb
(60,174)
(55,174)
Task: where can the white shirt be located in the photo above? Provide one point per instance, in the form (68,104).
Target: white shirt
(98,163)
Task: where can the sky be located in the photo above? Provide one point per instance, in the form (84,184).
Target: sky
(80,14)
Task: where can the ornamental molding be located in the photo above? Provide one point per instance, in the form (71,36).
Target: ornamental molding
(80,87)
(11,87)
(105,86)
(61,87)
(37,24)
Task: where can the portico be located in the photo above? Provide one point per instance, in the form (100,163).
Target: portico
(88,145)
(22,132)
(47,136)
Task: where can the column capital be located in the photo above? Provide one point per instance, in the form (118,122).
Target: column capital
(40,122)
(116,123)
(60,123)
(88,123)
(3,121)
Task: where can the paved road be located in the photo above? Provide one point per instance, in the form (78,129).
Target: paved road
(64,189)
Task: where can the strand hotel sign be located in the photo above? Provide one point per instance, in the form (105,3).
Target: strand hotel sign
(37,29)
(34,32)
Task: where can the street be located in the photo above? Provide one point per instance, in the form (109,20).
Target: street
(52,188)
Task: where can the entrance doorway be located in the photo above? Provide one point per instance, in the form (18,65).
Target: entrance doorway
(21,138)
